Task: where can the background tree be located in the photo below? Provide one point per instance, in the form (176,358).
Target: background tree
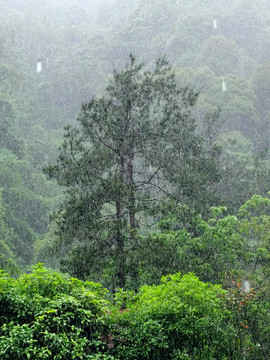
(220,54)
(133,147)
(261,85)
(7,257)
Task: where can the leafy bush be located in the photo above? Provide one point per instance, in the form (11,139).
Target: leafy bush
(182,318)
(45,316)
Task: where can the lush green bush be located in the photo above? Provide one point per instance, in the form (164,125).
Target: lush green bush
(182,318)
(45,316)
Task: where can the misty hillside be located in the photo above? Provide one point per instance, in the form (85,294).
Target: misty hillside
(56,55)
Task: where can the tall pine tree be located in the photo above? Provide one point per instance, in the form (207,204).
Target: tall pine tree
(131,148)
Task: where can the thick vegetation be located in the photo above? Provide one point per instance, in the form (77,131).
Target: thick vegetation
(45,316)
(157,177)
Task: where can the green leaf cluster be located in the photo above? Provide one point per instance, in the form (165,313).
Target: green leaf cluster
(46,316)
(180,318)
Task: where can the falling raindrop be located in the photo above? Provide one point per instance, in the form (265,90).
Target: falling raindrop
(39,66)
(223,85)
(246,286)
(215,24)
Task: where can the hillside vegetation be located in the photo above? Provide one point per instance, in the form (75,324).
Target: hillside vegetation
(134,144)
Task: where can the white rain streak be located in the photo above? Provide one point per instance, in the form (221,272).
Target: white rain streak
(223,86)
(39,66)
(246,286)
(215,24)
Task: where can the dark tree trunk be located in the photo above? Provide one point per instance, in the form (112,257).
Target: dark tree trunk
(121,275)
(131,210)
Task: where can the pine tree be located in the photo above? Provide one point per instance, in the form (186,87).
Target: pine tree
(131,148)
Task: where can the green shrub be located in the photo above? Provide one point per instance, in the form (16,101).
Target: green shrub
(182,318)
(45,316)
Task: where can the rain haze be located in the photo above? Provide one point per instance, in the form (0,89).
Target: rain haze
(134,145)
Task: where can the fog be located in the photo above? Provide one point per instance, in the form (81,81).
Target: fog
(56,55)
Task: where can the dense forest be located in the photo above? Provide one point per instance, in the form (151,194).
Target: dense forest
(135,166)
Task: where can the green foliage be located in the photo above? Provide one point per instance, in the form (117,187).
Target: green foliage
(182,318)
(26,205)
(224,245)
(188,243)
(7,257)
(240,22)
(45,316)
(243,172)
(220,54)
(224,250)
(261,85)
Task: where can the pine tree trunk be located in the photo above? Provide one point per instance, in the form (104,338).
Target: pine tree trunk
(121,275)
(132,218)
